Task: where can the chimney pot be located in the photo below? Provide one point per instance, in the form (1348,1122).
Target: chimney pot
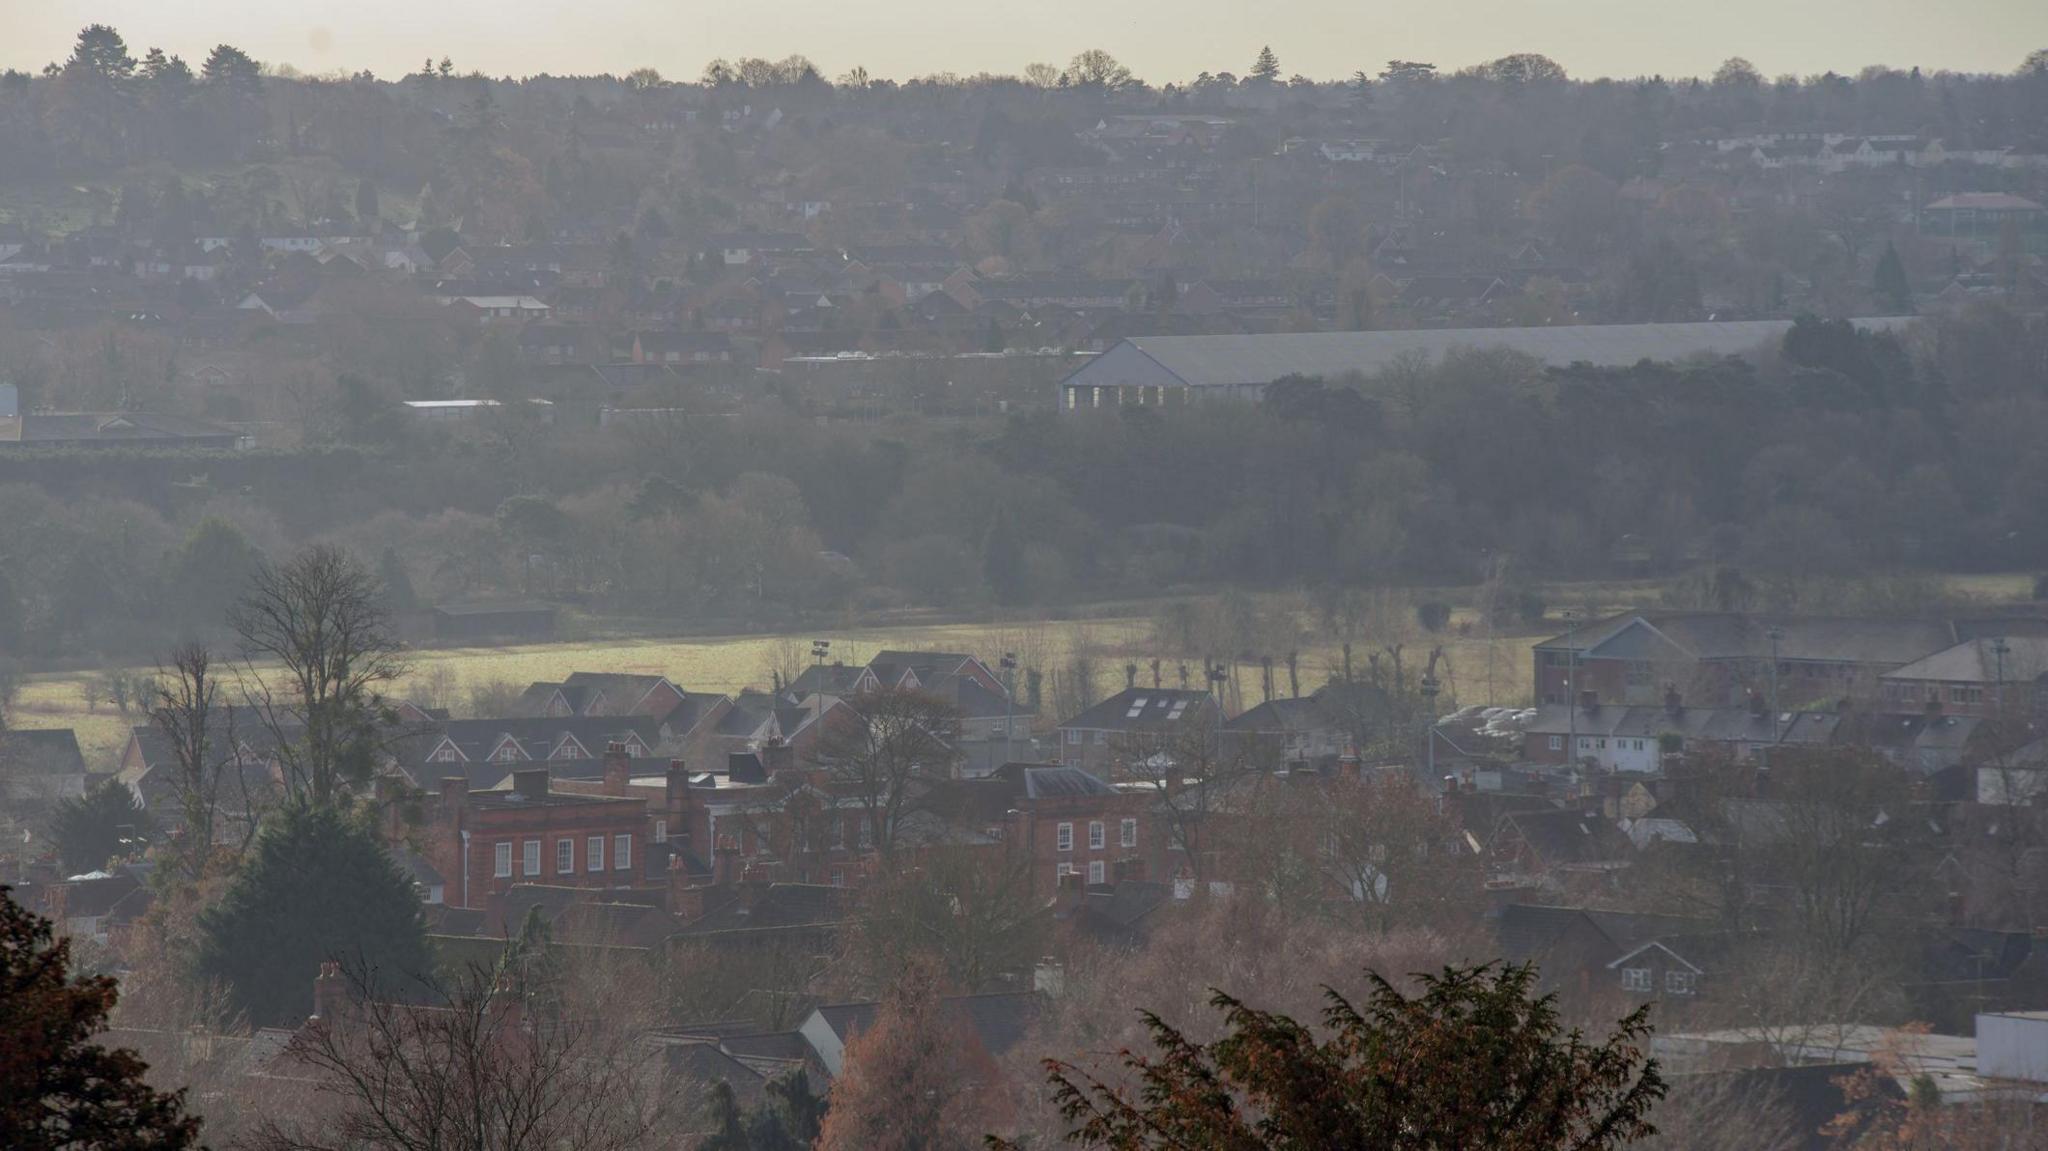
(618,768)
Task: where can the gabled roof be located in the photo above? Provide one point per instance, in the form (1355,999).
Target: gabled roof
(1296,714)
(1563,836)
(50,751)
(1000,1021)
(1984,202)
(1707,635)
(1528,930)
(782,905)
(1052,781)
(1979,661)
(1146,709)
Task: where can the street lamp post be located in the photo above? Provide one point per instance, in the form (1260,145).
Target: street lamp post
(1571,685)
(1009,665)
(1217,677)
(2001,649)
(1775,633)
(1430,687)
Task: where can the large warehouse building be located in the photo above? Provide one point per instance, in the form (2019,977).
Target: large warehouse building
(1154,370)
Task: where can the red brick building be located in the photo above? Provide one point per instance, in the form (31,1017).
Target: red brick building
(1067,821)
(483,842)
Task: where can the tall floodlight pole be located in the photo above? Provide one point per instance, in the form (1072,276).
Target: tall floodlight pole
(1571,685)
(820,648)
(1009,663)
(1429,687)
(1776,633)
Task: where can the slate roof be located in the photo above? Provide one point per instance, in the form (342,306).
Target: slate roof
(1058,782)
(1256,360)
(1711,724)
(1977,661)
(1528,930)
(1731,635)
(1154,707)
(1984,202)
(999,1020)
(702,1061)
(783,905)
(120,427)
(584,916)
(537,736)
(1563,836)
(48,751)
(1302,713)
(1118,913)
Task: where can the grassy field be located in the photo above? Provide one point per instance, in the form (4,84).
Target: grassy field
(1476,669)
(729,664)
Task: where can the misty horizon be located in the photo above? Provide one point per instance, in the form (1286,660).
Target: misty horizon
(800,576)
(1162,43)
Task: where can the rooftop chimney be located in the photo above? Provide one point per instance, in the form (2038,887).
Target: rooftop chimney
(330,993)
(1673,702)
(1589,699)
(676,785)
(685,902)
(725,865)
(618,768)
(777,755)
(1049,978)
(454,793)
(530,782)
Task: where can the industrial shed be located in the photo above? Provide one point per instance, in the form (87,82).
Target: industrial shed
(1157,370)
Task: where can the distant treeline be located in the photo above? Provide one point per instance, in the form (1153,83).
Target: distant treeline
(1842,454)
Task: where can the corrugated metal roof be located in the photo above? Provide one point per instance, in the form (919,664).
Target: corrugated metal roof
(1256,360)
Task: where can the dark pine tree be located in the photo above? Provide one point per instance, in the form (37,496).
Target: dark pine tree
(1890,282)
(1475,1060)
(58,1090)
(89,829)
(317,887)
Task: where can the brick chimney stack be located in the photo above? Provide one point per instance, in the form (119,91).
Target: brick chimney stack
(685,902)
(725,866)
(454,796)
(330,994)
(618,768)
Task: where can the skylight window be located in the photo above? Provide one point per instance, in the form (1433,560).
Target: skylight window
(1137,708)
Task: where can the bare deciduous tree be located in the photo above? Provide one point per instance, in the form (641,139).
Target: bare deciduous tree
(894,740)
(489,1069)
(1196,778)
(971,910)
(320,618)
(185,710)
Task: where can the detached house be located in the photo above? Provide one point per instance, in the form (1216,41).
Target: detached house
(1137,724)
(1720,658)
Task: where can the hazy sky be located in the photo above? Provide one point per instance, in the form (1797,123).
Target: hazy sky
(1161,39)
